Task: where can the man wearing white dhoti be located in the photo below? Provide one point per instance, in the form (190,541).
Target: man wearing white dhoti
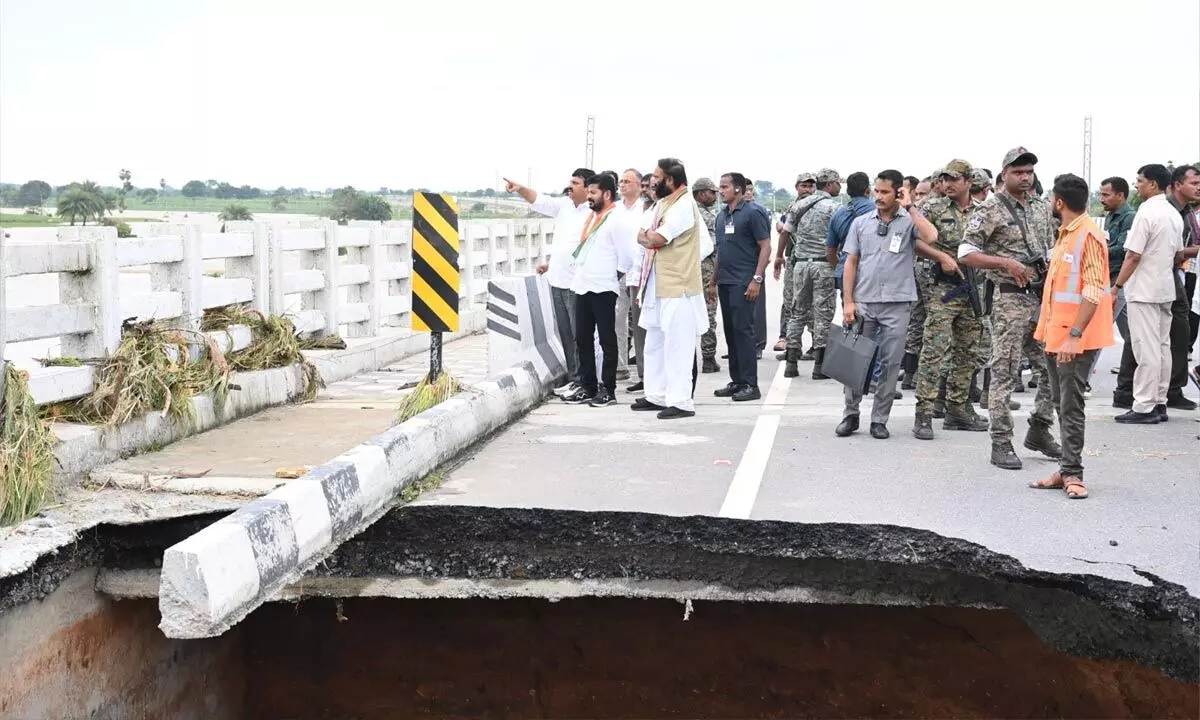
(673,312)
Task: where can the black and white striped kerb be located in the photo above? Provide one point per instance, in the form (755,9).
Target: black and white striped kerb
(214,578)
(521,326)
(502,313)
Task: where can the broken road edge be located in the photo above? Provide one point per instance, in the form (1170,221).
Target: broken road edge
(213,579)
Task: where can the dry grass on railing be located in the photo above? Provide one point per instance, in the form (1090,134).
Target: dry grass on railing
(427,394)
(149,372)
(274,343)
(26,451)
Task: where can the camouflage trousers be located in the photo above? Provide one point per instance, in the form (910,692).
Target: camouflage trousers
(785,310)
(915,337)
(948,350)
(814,298)
(1012,337)
(983,353)
(708,341)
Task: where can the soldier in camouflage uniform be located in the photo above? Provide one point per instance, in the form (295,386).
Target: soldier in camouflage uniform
(805,185)
(1008,237)
(951,332)
(813,290)
(705,193)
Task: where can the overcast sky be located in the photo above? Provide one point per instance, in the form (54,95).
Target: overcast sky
(446,95)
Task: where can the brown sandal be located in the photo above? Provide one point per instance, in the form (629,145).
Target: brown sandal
(1054,482)
(1074,488)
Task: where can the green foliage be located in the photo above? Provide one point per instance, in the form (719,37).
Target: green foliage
(427,394)
(479,207)
(147,195)
(123,229)
(278,204)
(125,189)
(33,193)
(233,212)
(350,204)
(79,204)
(194,189)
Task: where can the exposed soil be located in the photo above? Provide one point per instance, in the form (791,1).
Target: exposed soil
(373,658)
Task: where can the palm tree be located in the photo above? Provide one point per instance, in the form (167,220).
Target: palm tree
(233,212)
(77,204)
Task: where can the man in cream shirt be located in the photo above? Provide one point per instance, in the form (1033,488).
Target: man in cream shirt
(1149,284)
(628,214)
(569,213)
(671,297)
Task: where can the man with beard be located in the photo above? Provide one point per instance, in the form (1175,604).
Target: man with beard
(1075,323)
(951,330)
(813,291)
(601,255)
(1008,237)
(879,289)
(569,213)
(806,183)
(743,249)
(671,295)
(704,191)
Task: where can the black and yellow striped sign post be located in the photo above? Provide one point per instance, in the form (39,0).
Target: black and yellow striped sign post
(434,271)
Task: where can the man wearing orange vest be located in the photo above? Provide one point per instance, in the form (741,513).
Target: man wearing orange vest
(1075,323)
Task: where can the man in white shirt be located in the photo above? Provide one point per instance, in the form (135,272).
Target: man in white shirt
(601,256)
(629,211)
(1147,277)
(673,310)
(569,213)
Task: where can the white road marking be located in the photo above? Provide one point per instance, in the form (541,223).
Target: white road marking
(739,499)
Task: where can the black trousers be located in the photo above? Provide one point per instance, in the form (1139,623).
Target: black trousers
(1189,285)
(737,316)
(596,312)
(760,317)
(1180,329)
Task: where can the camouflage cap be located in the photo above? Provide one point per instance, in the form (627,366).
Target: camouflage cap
(937,173)
(828,175)
(703,184)
(980,179)
(957,169)
(805,177)
(1019,154)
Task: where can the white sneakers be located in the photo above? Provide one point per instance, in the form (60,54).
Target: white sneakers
(567,390)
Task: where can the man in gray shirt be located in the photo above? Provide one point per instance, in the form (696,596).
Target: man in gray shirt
(879,288)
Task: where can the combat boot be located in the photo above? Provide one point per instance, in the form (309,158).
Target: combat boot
(791,370)
(973,393)
(807,355)
(1003,456)
(923,427)
(711,366)
(1040,440)
(963,417)
(818,358)
(910,372)
(939,408)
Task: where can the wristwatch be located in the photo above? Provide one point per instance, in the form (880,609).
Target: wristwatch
(758,279)
(1076,333)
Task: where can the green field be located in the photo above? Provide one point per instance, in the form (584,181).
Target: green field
(179,203)
(15,220)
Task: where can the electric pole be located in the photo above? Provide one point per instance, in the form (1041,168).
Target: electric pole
(591,141)
(1087,150)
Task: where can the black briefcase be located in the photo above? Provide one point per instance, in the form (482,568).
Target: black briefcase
(850,357)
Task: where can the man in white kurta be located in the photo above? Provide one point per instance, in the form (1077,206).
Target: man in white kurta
(673,324)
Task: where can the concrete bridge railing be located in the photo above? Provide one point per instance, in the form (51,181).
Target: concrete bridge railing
(351,280)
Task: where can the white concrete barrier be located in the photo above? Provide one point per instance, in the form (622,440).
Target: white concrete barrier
(521,327)
(211,580)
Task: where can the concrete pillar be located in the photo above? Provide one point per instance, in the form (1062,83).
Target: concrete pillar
(100,286)
(3,320)
(185,277)
(275,269)
(375,257)
(256,268)
(467,270)
(327,263)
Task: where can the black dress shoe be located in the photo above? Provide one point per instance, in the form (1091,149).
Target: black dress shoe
(1161,411)
(674,413)
(847,426)
(638,386)
(643,405)
(728,391)
(879,431)
(747,394)
(1179,402)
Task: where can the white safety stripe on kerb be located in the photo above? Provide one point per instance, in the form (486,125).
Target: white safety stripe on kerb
(1073,295)
(743,490)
